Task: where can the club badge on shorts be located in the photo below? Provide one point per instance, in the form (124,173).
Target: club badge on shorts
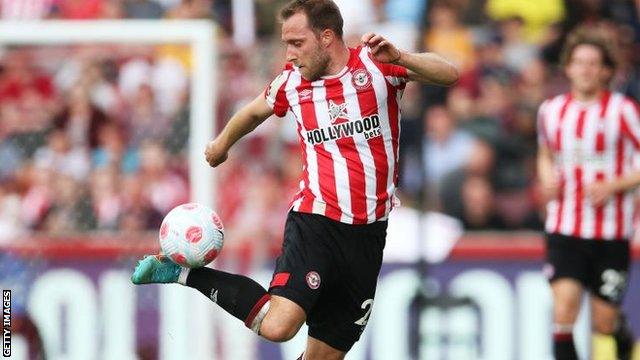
(313,280)
(361,79)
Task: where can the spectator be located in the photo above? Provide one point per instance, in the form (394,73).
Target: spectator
(62,158)
(478,207)
(405,11)
(358,16)
(445,148)
(37,195)
(70,209)
(143,9)
(144,120)
(447,37)
(113,150)
(517,52)
(80,119)
(10,156)
(191,9)
(466,112)
(79,9)
(25,9)
(26,101)
(107,201)
(258,224)
(102,93)
(481,164)
(137,213)
(167,78)
(11,224)
(162,186)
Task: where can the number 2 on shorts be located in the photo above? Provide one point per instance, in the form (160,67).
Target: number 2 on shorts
(367,304)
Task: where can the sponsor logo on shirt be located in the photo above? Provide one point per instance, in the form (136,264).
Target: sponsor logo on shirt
(344,126)
(368,126)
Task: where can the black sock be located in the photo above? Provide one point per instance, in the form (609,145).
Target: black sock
(563,347)
(624,339)
(238,295)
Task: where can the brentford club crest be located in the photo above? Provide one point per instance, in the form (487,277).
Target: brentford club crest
(361,79)
(313,280)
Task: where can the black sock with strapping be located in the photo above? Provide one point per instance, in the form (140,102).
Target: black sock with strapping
(563,346)
(238,295)
(624,339)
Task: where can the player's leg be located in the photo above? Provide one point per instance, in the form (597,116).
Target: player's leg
(568,271)
(239,295)
(283,320)
(608,286)
(319,350)
(624,338)
(607,319)
(567,294)
(342,311)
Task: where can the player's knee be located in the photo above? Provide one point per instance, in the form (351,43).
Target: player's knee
(278,332)
(603,325)
(279,329)
(283,320)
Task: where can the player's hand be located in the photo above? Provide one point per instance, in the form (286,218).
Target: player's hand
(599,192)
(550,188)
(215,153)
(381,49)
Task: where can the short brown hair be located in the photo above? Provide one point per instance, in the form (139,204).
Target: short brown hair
(598,39)
(321,14)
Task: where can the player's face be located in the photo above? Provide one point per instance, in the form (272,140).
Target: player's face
(586,69)
(303,47)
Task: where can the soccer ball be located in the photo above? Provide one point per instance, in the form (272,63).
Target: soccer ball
(191,235)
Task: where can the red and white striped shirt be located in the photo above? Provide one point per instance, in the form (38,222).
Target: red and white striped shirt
(349,128)
(591,142)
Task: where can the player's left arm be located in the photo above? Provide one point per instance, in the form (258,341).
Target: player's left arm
(428,68)
(630,129)
(600,192)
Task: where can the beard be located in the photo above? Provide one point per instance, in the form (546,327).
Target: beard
(317,66)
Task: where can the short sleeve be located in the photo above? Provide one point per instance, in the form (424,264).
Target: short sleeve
(631,122)
(396,75)
(543,136)
(276,96)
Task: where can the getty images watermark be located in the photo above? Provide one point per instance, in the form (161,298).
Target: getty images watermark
(6,323)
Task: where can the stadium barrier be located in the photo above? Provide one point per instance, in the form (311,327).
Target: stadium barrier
(78,293)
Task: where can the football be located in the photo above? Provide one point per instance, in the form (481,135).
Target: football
(191,235)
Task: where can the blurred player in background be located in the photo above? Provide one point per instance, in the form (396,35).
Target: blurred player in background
(588,139)
(345,103)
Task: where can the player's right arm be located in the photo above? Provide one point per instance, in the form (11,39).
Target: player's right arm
(240,124)
(547,172)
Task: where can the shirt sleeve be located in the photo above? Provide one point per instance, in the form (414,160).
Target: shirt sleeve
(396,75)
(630,118)
(543,136)
(275,94)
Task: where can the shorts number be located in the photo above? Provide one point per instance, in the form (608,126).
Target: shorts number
(613,283)
(368,305)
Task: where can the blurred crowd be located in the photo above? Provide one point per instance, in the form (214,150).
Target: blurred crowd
(94,138)
(91,138)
